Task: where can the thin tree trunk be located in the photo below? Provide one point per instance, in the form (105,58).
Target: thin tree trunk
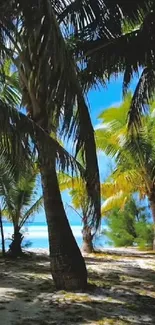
(87,246)
(152,206)
(2,234)
(67,264)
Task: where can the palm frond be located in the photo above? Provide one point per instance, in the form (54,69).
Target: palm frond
(127,180)
(135,159)
(143,94)
(23,190)
(67,182)
(80,202)
(102,17)
(119,55)
(6,173)
(12,139)
(58,92)
(18,132)
(46,69)
(9,84)
(110,137)
(51,83)
(113,131)
(77,190)
(115,201)
(18,196)
(35,208)
(91,18)
(118,113)
(142,152)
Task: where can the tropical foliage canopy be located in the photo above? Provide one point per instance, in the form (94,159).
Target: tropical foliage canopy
(134,155)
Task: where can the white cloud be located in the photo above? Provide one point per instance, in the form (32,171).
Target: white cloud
(101,126)
(98,126)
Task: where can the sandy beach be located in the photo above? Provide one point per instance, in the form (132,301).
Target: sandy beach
(121,291)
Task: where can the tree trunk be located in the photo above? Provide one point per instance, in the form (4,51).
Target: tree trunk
(2,234)
(67,264)
(87,246)
(152,206)
(15,249)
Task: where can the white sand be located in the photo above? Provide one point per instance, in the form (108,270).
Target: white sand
(122,292)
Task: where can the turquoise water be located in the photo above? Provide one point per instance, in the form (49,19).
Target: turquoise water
(36,234)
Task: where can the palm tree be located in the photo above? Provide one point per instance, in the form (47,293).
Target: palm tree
(79,201)
(39,50)
(134,155)
(20,202)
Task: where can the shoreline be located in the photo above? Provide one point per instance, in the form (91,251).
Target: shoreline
(128,251)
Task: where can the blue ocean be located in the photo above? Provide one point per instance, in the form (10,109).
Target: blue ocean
(36,236)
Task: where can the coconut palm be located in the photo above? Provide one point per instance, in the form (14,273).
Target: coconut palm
(79,202)
(20,202)
(135,158)
(39,50)
(18,134)
(53,85)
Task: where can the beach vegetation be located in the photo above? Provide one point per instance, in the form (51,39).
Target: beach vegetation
(17,180)
(60,50)
(130,226)
(20,203)
(134,155)
(50,93)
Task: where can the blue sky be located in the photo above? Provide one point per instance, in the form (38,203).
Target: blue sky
(98,99)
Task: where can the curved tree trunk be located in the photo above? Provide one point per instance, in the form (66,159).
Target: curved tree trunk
(67,264)
(87,246)
(152,206)
(2,234)
(15,249)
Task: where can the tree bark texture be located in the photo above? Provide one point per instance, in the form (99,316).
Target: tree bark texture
(87,246)
(2,234)
(15,248)
(67,264)
(152,205)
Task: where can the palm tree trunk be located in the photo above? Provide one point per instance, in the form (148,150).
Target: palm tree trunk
(2,234)
(67,264)
(87,246)
(152,206)
(15,249)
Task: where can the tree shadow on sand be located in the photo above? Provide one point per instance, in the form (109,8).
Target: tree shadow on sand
(28,295)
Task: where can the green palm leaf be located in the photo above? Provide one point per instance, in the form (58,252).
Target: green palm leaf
(44,60)
(35,208)
(19,198)
(50,82)
(115,201)
(135,158)
(9,84)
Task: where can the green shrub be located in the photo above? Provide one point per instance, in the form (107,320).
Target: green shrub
(121,229)
(130,226)
(144,233)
